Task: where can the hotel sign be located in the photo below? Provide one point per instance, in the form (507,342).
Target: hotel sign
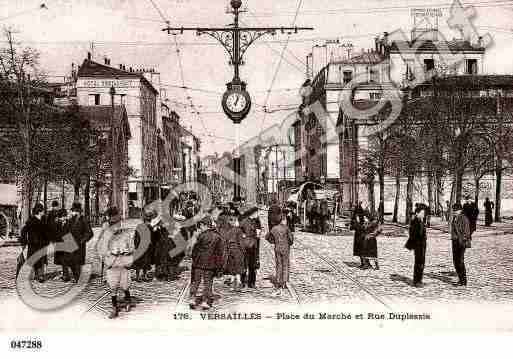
(107,83)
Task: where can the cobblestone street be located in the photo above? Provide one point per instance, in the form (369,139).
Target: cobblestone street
(322,271)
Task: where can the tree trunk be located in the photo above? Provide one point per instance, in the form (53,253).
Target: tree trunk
(97,201)
(430,197)
(439,193)
(498,184)
(476,197)
(63,194)
(87,199)
(409,198)
(381,210)
(76,188)
(397,197)
(26,194)
(371,196)
(459,185)
(45,194)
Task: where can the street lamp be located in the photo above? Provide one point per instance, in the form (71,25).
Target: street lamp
(236,101)
(113,199)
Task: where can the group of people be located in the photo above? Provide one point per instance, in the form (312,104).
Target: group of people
(366,229)
(463,225)
(56,227)
(228,245)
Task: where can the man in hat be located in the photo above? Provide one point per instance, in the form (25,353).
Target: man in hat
(274,214)
(251,227)
(144,246)
(471,211)
(461,240)
(62,258)
(282,239)
(81,231)
(35,236)
(233,237)
(116,247)
(207,262)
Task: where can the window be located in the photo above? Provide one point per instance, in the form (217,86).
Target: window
(375,95)
(348,77)
(94,99)
(471,67)
(374,75)
(429,64)
(410,70)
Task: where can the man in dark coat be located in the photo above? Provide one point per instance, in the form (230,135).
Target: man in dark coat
(50,220)
(251,227)
(234,251)
(471,211)
(35,236)
(62,257)
(461,240)
(144,246)
(81,231)
(282,239)
(488,205)
(207,262)
(417,242)
(274,215)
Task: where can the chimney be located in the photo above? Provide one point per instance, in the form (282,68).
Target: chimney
(480,42)
(385,37)
(106,61)
(120,67)
(376,44)
(89,56)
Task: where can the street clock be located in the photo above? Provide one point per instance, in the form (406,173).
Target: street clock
(236,101)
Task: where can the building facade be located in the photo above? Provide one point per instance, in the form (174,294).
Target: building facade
(350,85)
(139,96)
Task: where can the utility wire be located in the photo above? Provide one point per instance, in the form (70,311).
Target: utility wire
(279,65)
(180,64)
(374,10)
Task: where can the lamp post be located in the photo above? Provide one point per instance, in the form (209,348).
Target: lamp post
(236,101)
(113,199)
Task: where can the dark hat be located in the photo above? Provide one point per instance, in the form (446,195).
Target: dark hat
(55,203)
(38,208)
(62,213)
(206,221)
(76,207)
(457,207)
(250,211)
(150,213)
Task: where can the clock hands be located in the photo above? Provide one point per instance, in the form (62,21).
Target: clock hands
(236,101)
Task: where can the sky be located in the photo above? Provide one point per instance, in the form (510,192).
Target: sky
(129,32)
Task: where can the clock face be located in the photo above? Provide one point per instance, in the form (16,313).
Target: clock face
(236,102)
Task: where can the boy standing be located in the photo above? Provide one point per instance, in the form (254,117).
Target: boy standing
(282,239)
(117,247)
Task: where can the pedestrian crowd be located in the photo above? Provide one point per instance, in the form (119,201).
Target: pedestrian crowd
(223,242)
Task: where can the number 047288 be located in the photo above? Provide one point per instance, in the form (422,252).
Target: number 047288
(26,344)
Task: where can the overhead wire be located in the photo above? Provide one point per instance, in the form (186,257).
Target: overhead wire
(300,3)
(180,64)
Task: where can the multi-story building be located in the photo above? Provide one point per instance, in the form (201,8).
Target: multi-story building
(190,156)
(139,96)
(349,85)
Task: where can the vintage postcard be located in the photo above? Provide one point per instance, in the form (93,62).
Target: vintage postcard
(244,166)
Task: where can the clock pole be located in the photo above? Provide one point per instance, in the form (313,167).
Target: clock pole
(236,40)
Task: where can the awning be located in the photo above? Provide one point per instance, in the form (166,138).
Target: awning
(8,195)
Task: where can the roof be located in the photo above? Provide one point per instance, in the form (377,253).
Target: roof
(429,46)
(8,194)
(473,82)
(100,116)
(94,69)
(367,58)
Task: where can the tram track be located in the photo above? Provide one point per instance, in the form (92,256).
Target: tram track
(341,272)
